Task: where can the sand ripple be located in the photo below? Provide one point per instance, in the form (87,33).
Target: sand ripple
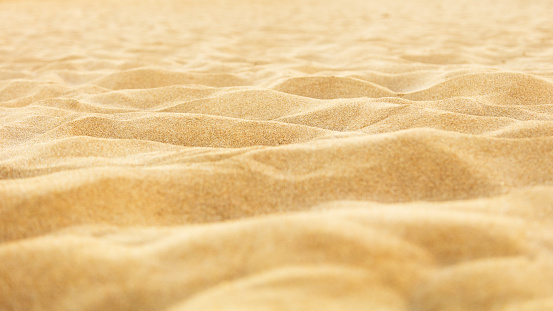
(185,155)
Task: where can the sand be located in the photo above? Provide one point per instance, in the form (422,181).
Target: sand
(276,155)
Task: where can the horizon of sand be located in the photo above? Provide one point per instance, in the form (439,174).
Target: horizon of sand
(262,155)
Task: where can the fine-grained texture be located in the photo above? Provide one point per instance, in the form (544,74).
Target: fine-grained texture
(276,155)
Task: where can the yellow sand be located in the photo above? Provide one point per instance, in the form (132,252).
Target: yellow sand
(276,155)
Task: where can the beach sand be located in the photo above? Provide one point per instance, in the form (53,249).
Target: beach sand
(276,155)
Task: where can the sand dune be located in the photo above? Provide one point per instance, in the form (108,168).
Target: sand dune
(290,155)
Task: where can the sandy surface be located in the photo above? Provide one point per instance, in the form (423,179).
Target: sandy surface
(276,155)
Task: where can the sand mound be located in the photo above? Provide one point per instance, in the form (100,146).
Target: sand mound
(291,155)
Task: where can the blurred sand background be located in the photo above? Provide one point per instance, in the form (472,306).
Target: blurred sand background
(276,155)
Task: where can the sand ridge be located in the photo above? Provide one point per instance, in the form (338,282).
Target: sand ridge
(291,155)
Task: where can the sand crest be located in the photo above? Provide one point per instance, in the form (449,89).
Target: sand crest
(262,155)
